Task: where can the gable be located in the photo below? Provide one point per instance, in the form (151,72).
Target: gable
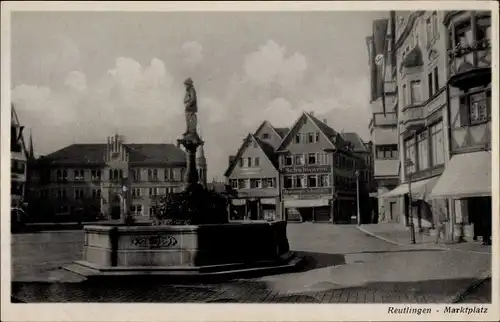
(326,136)
(267,133)
(253,149)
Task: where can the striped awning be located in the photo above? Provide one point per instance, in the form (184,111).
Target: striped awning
(419,189)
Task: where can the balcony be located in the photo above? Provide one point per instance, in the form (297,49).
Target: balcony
(470,64)
(413,117)
(387,119)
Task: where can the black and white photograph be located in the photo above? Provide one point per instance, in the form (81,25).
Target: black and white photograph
(216,156)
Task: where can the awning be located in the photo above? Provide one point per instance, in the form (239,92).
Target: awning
(419,189)
(239,202)
(268,201)
(306,203)
(466,175)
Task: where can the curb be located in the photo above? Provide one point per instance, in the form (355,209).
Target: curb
(460,296)
(360,228)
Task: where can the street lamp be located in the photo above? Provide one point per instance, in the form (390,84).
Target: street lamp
(358,214)
(409,163)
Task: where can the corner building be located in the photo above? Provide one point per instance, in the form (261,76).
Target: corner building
(318,174)
(466,181)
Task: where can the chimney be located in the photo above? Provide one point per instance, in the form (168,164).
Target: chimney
(325,121)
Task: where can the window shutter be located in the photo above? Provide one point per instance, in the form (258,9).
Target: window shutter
(464,111)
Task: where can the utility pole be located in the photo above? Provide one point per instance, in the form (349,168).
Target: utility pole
(409,163)
(358,217)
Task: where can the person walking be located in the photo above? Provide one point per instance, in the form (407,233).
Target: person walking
(440,225)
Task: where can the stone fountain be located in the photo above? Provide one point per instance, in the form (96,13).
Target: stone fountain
(206,244)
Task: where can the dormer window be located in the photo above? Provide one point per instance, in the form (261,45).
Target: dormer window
(265,136)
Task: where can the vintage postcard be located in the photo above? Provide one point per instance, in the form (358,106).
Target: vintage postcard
(249,161)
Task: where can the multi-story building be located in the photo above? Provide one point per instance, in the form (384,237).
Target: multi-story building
(112,178)
(253,173)
(420,47)
(318,174)
(19,156)
(466,51)
(383,125)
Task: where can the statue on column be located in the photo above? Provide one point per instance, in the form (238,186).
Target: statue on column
(190,106)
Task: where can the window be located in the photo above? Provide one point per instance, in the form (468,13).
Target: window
(169,174)
(463,34)
(17,166)
(150,174)
(410,155)
(386,151)
(297,138)
(310,137)
(317,137)
(323,158)
(151,211)
(416,95)
(288,160)
(265,136)
(437,144)
(79,175)
(299,159)
(155,174)
(429,84)
(244,183)
(483,28)
(271,182)
(241,163)
(312,181)
(136,210)
(136,192)
(288,181)
(61,194)
(478,109)
(79,194)
(256,183)
(300,181)
(234,183)
(436,79)
(96,193)
(403,96)
(153,192)
(256,161)
(324,180)
(311,158)
(423,150)
(95,175)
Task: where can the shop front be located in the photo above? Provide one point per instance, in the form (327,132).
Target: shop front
(309,204)
(467,182)
(422,206)
(254,207)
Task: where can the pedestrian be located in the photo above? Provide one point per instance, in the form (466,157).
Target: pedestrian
(486,228)
(440,224)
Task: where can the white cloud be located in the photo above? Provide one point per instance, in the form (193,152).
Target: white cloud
(76,80)
(270,65)
(192,53)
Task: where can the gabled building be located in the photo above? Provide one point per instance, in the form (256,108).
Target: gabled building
(317,173)
(253,174)
(19,156)
(110,178)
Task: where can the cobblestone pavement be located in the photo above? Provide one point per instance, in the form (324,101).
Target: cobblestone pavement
(342,265)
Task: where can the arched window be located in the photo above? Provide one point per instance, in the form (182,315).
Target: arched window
(121,174)
(115,175)
(58,175)
(155,174)
(110,174)
(98,193)
(149,174)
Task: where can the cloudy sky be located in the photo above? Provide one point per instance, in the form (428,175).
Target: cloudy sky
(79,77)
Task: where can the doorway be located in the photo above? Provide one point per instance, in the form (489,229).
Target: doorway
(115,212)
(392,210)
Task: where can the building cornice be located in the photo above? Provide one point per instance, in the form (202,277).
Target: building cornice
(408,28)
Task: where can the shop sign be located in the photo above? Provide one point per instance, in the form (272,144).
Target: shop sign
(306,169)
(308,191)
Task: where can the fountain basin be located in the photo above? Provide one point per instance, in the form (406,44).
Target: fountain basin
(184,249)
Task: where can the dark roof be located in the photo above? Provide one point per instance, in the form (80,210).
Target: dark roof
(330,133)
(269,151)
(357,143)
(138,153)
(282,131)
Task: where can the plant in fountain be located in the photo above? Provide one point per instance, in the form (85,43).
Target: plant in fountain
(195,205)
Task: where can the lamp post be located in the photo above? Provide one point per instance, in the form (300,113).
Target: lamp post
(358,213)
(409,163)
